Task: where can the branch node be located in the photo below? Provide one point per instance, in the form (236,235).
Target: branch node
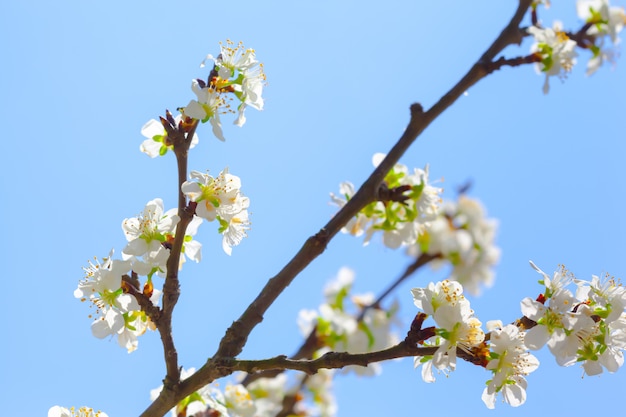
(321,238)
(416,110)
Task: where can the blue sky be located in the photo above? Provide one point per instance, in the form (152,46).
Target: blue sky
(81,78)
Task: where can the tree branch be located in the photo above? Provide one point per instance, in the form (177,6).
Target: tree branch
(180,137)
(335,360)
(420,261)
(330,360)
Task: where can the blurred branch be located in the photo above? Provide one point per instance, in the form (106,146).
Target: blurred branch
(330,360)
(313,343)
(290,400)
(512,62)
(420,261)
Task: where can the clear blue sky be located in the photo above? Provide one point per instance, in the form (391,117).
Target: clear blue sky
(79,79)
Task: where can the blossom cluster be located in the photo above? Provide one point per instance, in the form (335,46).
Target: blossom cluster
(150,236)
(236,75)
(399,221)
(234,401)
(456,233)
(118,313)
(458,328)
(220,199)
(509,362)
(350,324)
(58,411)
(555,48)
(464,237)
(237,72)
(110,285)
(263,397)
(586,327)
(557,52)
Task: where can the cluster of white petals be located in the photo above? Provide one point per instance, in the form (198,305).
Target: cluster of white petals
(454,233)
(149,236)
(607,20)
(220,199)
(456,324)
(58,411)
(604,21)
(102,286)
(400,222)
(263,397)
(239,75)
(207,107)
(588,327)
(462,236)
(233,401)
(118,312)
(337,325)
(504,353)
(268,394)
(510,362)
(556,50)
(319,386)
(147,232)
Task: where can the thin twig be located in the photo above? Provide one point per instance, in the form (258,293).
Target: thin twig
(420,261)
(171,287)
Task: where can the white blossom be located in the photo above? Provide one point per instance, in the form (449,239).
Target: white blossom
(556,50)
(220,199)
(509,363)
